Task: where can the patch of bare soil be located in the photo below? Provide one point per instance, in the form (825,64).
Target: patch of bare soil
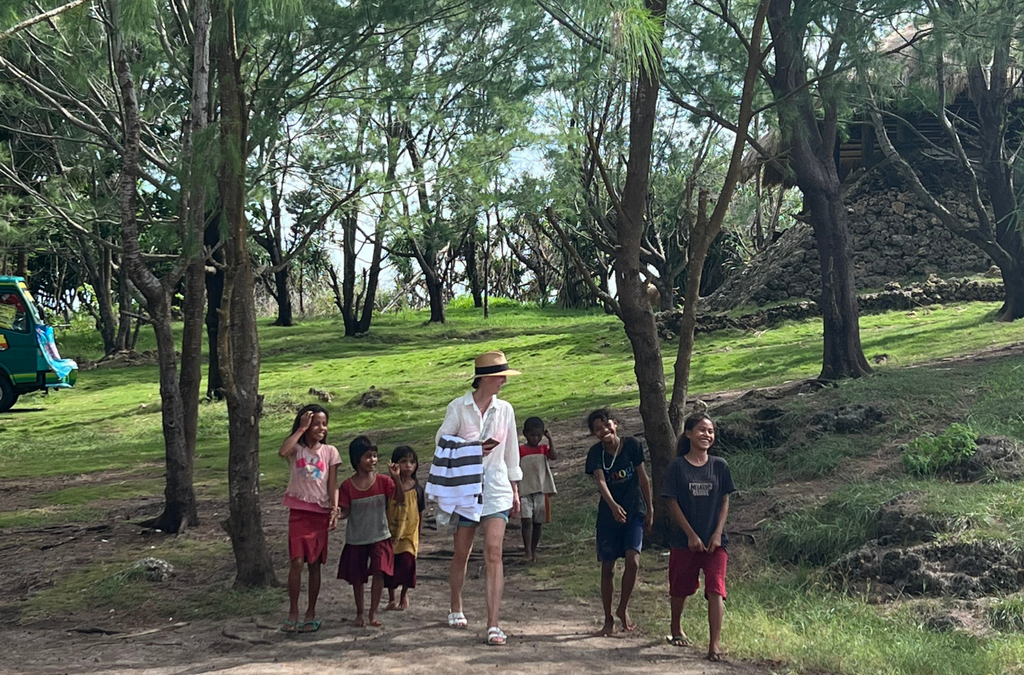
(549,633)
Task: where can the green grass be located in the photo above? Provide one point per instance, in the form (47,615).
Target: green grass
(572,362)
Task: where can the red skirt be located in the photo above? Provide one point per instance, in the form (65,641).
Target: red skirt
(307,535)
(404,574)
(361,561)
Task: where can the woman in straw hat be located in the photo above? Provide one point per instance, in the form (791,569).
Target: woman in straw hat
(480,414)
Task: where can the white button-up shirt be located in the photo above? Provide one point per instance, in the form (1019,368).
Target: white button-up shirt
(501,466)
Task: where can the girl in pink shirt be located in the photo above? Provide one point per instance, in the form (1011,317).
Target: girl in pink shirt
(312,496)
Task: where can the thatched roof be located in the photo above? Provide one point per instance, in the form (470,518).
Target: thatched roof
(904,48)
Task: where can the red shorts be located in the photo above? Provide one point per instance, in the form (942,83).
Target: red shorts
(404,573)
(307,535)
(684,568)
(361,561)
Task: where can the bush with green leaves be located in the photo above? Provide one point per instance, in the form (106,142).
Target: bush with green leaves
(928,454)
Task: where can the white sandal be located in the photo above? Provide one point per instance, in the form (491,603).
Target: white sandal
(457,620)
(496,637)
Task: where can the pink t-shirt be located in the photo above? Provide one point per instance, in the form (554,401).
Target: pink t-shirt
(307,487)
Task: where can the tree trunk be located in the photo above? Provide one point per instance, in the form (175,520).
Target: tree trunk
(636,314)
(214,293)
(435,293)
(194,222)
(179,507)
(842,355)
(813,163)
(124,302)
(370,292)
(238,339)
(284,297)
(472,272)
(100,275)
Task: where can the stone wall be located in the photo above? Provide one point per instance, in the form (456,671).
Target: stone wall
(892,298)
(894,239)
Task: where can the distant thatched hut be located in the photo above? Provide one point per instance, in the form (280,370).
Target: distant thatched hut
(914,129)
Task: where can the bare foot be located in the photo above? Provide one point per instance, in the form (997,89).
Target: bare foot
(375,622)
(607,629)
(627,624)
(360,622)
(403,605)
(392,606)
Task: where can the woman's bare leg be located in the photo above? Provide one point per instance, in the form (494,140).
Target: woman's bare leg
(494,539)
(460,559)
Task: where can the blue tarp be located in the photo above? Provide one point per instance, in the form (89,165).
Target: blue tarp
(63,367)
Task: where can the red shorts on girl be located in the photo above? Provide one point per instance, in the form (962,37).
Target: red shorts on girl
(307,535)
(404,573)
(361,561)
(684,568)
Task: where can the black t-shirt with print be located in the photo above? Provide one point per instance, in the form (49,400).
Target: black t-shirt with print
(621,477)
(699,491)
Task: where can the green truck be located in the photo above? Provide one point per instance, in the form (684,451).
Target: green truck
(29,360)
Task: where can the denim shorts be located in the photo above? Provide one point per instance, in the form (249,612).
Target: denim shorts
(466,522)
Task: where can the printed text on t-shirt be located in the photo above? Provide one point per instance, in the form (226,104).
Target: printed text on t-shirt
(700,489)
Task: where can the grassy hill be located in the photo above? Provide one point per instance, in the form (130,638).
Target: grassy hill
(808,496)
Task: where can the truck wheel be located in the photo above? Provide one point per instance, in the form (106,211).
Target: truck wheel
(8,397)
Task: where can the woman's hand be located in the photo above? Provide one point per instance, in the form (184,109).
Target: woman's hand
(517,506)
(488,446)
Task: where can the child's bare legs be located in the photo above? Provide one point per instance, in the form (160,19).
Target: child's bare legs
(376,591)
(535,540)
(294,588)
(628,581)
(463,544)
(607,591)
(716,610)
(314,589)
(357,590)
(494,536)
(528,548)
(392,605)
(677,617)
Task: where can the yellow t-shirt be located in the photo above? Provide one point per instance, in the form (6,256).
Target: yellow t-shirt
(404,522)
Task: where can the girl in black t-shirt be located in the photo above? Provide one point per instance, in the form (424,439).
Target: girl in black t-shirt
(697,488)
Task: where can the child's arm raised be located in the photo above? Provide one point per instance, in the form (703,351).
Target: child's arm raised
(694,542)
(716,536)
(332,492)
(552,455)
(288,447)
(618,512)
(645,489)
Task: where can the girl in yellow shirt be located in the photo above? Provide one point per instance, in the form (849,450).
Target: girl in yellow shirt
(404,520)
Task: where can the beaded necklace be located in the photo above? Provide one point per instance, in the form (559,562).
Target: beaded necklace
(614,457)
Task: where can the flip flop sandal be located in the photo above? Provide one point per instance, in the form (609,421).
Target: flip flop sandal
(677,640)
(313,626)
(495,637)
(716,656)
(457,620)
(289,626)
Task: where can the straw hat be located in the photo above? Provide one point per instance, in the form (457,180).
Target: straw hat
(492,364)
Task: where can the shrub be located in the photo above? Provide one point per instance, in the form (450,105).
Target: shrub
(927,455)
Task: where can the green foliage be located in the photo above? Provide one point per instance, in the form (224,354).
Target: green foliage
(926,455)
(820,457)
(820,534)
(1007,614)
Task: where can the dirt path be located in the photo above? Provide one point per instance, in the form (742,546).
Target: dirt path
(549,634)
